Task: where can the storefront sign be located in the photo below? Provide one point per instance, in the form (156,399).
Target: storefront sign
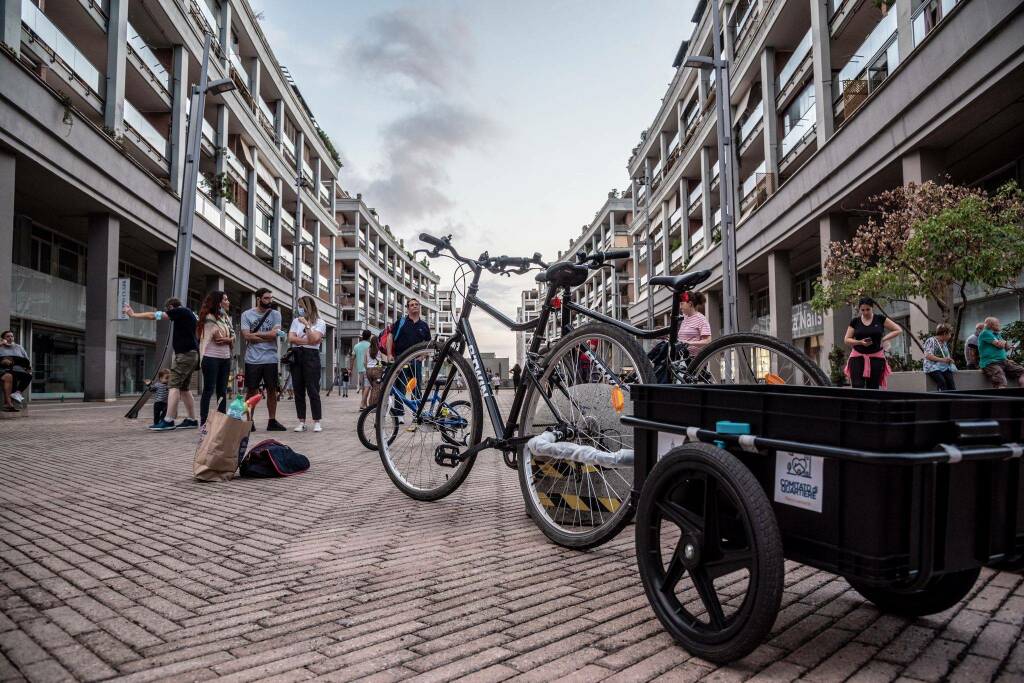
(123,292)
(798,480)
(806,321)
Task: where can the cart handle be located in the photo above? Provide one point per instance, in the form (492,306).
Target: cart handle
(947,454)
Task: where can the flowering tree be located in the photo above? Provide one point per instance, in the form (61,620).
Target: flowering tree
(930,240)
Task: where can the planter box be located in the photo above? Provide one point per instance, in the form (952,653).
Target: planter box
(918,381)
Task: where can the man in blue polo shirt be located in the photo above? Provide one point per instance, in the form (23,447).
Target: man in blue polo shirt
(406,332)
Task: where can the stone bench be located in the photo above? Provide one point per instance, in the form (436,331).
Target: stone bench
(916,380)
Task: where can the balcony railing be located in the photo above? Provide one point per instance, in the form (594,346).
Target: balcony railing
(928,15)
(751,122)
(211,21)
(695,194)
(234,226)
(145,129)
(155,66)
(207,209)
(325,253)
(236,165)
(288,221)
(62,48)
(800,53)
(876,42)
(750,184)
(799,131)
(236,62)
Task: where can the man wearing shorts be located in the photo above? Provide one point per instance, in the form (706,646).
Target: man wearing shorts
(992,358)
(184,363)
(358,365)
(260,328)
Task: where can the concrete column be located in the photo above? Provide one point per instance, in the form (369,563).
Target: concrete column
(7,177)
(821,51)
(332,259)
(770,128)
(707,212)
(329,357)
(255,73)
(251,212)
(214,283)
(279,122)
(904,29)
(920,166)
(317,178)
(100,300)
(275,227)
(832,228)
(780,295)
(316,258)
(633,185)
(117,55)
(225,32)
(666,229)
(179,115)
(10,26)
(222,144)
(743,312)
(728,34)
(713,311)
(684,219)
(164,291)
(702,88)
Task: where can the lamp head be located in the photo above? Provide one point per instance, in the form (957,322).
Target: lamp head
(220,86)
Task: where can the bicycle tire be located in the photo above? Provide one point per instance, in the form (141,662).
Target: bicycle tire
(451,483)
(621,516)
(793,354)
(368,437)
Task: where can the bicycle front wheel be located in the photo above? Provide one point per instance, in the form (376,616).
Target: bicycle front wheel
(751,358)
(366,428)
(584,390)
(435,424)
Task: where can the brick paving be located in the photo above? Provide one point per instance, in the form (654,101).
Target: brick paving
(114,564)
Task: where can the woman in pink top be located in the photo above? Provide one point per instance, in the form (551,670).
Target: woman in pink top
(694,328)
(216,341)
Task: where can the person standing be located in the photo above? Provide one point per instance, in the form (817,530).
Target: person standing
(160,390)
(866,367)
(185,361)
(992,352)
(305,334)
(938,361)
(694,330)
(517,375)
(357,364)
(261,327)
(406,332)
(15,371)
(216,342)
(971,347)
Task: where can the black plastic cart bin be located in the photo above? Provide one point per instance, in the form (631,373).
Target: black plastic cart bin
(905,495)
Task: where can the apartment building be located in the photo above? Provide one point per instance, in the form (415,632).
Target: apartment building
(607,290)
(447,313)
(833,101)
(375,273)
(93,118)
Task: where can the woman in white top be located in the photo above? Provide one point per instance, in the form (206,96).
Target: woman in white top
(306,333)
(216,340)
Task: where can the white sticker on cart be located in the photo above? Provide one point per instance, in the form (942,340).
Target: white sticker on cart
(667,441)
(799,480)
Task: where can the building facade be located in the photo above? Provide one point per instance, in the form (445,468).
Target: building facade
(93,119)
(833,101)
(375,274)
(447,313)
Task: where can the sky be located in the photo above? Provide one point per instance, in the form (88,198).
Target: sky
(504,124)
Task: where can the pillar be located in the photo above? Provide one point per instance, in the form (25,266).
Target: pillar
(743,313)
(707,212)
(821,50)
(100,316)
(684,216)
(164,291)
(702,87)
(10,27)
(770,128)
(920,166)
(179,115)
(279,122)
(317,177)
(330,355)
(225,33)
(780,295)
(316,258)
(222,144)
(904,29)
(713,311)
(214,283)
(7,176)
(275,227)
(832,228)
(117,55)
(332,262)
(666,230)
(251,212)
(254,73)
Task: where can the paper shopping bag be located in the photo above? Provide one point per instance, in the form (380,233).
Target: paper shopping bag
(222,441)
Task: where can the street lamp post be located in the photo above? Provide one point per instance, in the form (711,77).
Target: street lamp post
(727,186)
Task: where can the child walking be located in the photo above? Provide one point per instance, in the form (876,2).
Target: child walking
(160,389)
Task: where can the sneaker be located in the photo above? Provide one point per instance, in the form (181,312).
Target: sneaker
(163,426)
(301,427)
(317,427)
(188,424)
(275,426)
(17,397)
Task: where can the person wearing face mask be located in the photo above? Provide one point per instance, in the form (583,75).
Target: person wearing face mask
(216,341)
(261,327)
(305,334)
(186,359)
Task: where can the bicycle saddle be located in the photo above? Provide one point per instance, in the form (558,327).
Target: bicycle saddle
(681,283)
(564,274)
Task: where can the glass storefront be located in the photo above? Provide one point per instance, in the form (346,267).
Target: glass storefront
(58,363)
(135,364)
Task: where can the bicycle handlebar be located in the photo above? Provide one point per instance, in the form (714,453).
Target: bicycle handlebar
(597,259)
(430,239)
(495,264)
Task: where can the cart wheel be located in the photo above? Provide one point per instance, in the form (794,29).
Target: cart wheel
(702,515)
(939,594)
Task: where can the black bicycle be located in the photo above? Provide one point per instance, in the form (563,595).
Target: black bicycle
(577,390)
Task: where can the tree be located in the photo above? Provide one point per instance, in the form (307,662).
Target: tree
(929,241)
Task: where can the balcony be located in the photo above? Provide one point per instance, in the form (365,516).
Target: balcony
(871,64)
(234,226)
(266,117)
(927,17)
(750,124)
(207,209)
(754,190)
(145,130)
(61,49)
(325,253)
(236,63)
(798,133)
(147,61)
(288,223)
(236,165)
(800,53)
(695,195)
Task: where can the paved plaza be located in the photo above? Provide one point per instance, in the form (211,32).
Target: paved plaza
(114,564)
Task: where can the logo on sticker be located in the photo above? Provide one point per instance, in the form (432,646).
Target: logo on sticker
(799,480)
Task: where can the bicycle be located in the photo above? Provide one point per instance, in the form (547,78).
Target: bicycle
(577,390)
(450,421)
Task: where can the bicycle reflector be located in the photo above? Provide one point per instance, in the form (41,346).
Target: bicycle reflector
(772,378)
(410,386)
(556,302)
(618,399)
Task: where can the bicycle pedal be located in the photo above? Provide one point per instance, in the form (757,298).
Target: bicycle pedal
(446,455)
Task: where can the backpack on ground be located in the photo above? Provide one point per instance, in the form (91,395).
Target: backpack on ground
(269,459)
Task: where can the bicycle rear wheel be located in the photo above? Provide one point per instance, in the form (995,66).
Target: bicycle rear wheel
(586,379)
(751,358)
(366,428)
(422,460)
